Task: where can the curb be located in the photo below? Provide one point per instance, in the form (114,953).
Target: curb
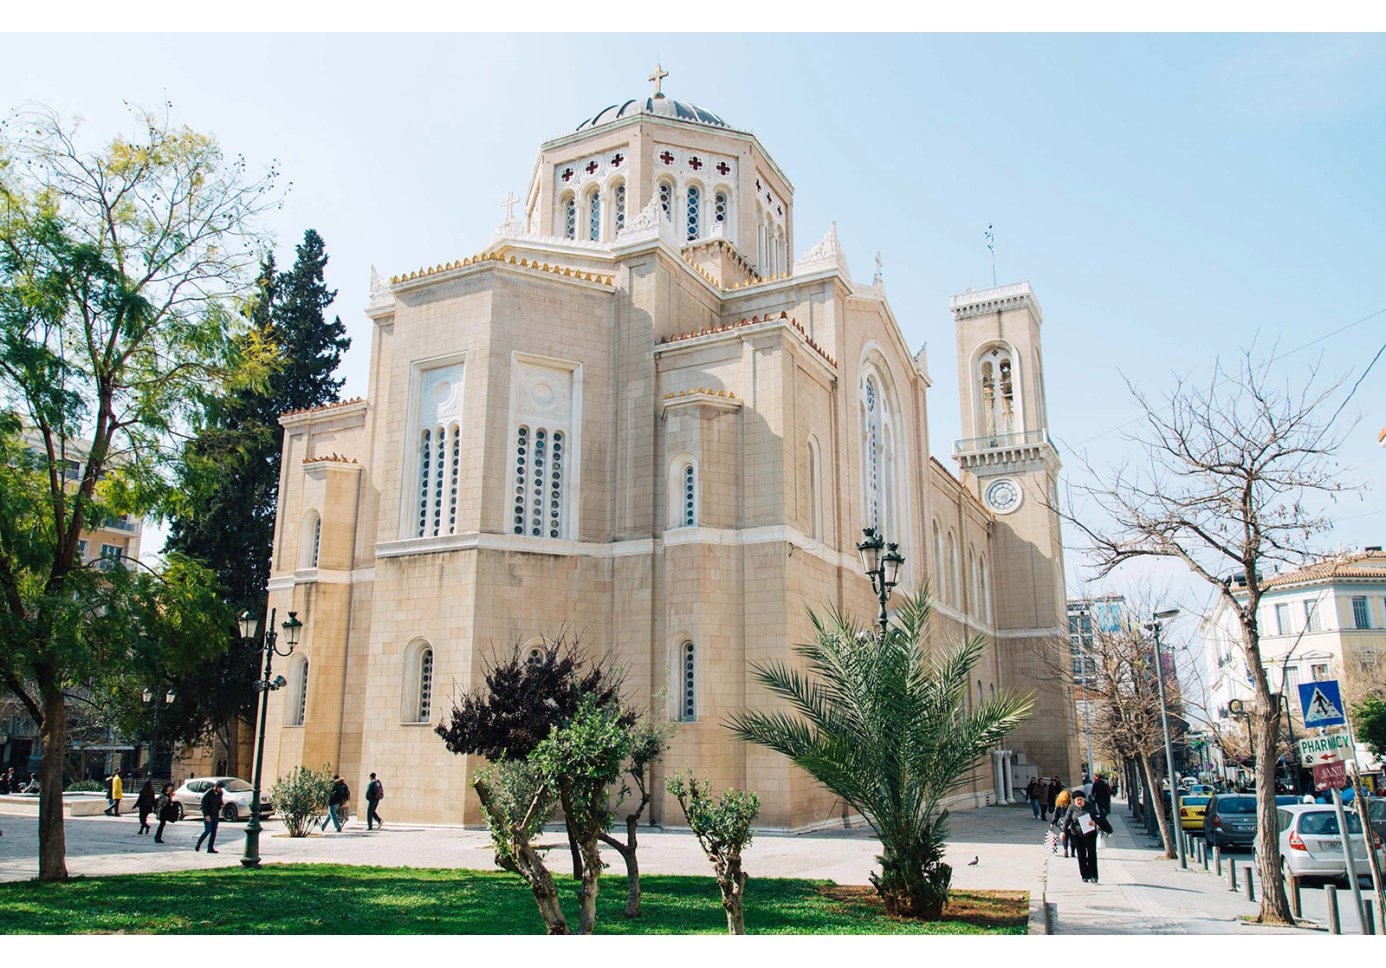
(1042,917)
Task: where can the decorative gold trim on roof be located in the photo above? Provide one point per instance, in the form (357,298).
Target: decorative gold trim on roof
(324,406)
(708,391)
(753,321)
(332,458)
(500,257)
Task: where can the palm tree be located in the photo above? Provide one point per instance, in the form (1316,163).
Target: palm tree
(882,723)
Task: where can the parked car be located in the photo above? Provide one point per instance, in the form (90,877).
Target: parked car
(1191,810)
(1311,845)
(1230,820)
(236,794)
(1376,815)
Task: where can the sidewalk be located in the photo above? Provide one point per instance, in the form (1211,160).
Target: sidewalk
(1140,892)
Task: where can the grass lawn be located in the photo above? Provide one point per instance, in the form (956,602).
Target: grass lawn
(336,899)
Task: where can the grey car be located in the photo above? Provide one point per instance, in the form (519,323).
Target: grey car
(236,795)
(1311,845)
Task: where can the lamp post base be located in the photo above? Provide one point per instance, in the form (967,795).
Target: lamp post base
(251,857)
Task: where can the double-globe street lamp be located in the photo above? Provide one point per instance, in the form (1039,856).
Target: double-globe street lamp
(881,562)
(1154,626)
(249,632)
(152,698)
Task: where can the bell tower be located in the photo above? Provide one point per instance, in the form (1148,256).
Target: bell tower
(1008,462)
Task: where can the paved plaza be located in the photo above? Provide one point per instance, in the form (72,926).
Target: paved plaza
(1139,892)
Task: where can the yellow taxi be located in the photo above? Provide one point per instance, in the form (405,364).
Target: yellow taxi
(1191,811)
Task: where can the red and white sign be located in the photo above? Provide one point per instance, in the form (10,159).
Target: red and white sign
(1328,775)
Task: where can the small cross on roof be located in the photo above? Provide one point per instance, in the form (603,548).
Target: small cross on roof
(658,78)
(509,206)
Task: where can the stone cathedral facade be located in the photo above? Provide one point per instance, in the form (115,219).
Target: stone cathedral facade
(636,416)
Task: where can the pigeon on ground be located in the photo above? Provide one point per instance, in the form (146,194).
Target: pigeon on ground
(974,862)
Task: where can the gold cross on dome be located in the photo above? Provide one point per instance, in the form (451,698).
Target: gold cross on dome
(658,77)
(509,206)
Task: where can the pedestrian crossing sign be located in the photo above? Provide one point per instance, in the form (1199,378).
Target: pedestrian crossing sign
(1322,703)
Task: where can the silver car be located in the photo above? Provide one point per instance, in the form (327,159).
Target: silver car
(236,796)
(1311,846)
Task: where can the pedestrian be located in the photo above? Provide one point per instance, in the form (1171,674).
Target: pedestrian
(375,792)
(1116,782)
(1061,804)
(1051,795)
(145,805)
(166,811)
(1102,795)
(5,778)
(211,817)
(335,801)
(1082,826)
(114,793)
(33,785)
(1087,787)
(1032,793)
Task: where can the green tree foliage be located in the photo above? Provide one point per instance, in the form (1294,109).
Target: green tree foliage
(724,829)
(1369,720)
(118,270)
(650,737)
(229,481)
(881,722)
(300,798)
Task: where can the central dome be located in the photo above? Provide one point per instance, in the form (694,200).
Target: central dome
(659,106)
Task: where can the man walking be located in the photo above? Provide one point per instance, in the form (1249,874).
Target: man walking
(1032,793)
(335,801)
(1102,795)
(375,792)
(211,818)
(115,795)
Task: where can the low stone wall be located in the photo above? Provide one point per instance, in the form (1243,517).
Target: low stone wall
(74,804)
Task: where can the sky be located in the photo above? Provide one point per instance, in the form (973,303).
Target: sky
(1171,198)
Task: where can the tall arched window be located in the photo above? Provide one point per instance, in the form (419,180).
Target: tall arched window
(688,683)
(882,460)
(425,685)
(619,194)
(569,217)
(695,201)
(417,705)
(871,446)
(690,496)
(721,209)
(594,216)
(954,580)
(760,242)
(666,198)
(440,451)
(986,592)
(941,564)
(296,703)
(996,382)
(539,481)
(974,604)
(309,540)
(815,485)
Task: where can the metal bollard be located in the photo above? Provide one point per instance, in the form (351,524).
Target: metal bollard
(1330,895)
(1296,901)
(1250,888)
(1203,855)
(1232,875)
(1217,859)
(1368,918)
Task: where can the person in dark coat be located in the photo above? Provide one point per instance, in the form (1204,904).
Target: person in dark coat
(1102,795)
(145,805)
(1033,794)
(211,818)
(166,810)
(1051,797)
(336,803)
(375,792)
(1082,825)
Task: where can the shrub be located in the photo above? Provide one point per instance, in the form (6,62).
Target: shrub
(723,828)
(300,798)
(85,786)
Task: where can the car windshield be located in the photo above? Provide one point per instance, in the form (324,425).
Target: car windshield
(235,786)
(1237,805)
(1287,799)
(1376,809)
(1194,801)
(1325,824)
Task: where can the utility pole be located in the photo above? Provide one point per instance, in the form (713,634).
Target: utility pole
(1176,827)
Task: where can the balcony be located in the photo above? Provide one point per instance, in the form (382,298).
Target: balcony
(1027,438)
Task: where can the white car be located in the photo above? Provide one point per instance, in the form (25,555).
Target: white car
(236,794)
(1311,846)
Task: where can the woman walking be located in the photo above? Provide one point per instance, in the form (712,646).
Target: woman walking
(145,805)
(1081,824)
(1061,805)
(166,810)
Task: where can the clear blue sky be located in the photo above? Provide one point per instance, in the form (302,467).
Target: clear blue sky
(1171,198)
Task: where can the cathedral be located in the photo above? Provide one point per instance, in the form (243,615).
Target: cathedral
(636,416)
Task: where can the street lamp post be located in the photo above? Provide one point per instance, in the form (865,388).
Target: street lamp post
(881,562)
(151,697)
(249,627)
(1155,627)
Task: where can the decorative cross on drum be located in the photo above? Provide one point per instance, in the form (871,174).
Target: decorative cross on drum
(568,175)
(658,77)
(695,163)
(667,157)
(591,167)
(723,168)
(616,160)
(509,206)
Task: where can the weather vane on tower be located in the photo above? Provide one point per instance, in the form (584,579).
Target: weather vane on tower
(658,77)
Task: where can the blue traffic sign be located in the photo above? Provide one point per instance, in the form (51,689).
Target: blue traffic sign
(1322,703)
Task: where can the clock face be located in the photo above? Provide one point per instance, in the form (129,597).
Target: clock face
(1003,496)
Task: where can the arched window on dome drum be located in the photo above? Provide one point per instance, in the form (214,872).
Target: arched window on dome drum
(594,216)
(690,496)
(666,199)
(317,540)
(570,218)
(440,451)
(620,195)
(695,197)
(941,579)
(310,537)
(996,379)
(688,683)
(719,208)
(539,481)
